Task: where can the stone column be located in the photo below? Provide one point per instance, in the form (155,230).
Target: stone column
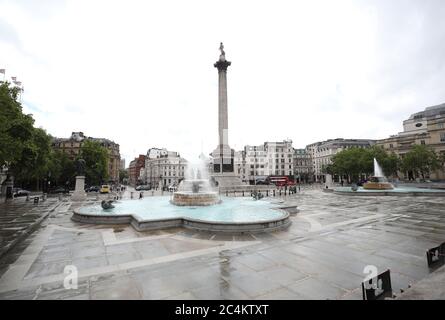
(223,151)
(223,122)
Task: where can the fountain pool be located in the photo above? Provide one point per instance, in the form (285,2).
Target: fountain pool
(230,215)
(396,191)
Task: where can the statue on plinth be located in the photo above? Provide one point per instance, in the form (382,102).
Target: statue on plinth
(222,57)
(80,167)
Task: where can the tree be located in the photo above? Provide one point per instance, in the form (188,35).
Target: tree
(420,160)
(24,150)
(16,128)
(389,162)
(123,175)
(62,168)
(352,162)
(96,161)
(34,163)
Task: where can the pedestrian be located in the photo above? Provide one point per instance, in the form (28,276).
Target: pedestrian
(140,195)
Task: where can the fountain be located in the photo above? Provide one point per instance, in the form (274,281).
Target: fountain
(197,204)
(195,190)
(378,181)
(378,185)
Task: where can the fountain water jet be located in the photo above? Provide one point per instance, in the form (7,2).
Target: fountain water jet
(195,190)
(378,181)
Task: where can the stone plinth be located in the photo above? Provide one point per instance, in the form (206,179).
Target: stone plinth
(79,192)
(195,199)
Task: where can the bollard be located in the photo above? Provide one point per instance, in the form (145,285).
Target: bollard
(60,196)
(243,193)
(274,193)
(36,199)
(131,195)
(44,197)
(227,193)
(27,197)
(152,192)
(267,193)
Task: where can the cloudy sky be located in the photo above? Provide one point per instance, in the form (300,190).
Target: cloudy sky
(141,72)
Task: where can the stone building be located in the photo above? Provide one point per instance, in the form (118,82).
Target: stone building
(71,146)
(134,170)
(303,169)
(426,127)
(321,153)
(164,168)
(256,163)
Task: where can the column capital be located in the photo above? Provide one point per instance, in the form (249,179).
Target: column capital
(222,65)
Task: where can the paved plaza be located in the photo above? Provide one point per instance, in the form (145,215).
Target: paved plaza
(320,256)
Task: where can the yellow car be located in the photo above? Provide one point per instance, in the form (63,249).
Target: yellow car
(105,188)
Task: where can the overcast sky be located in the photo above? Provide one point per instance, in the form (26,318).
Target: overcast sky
(141,72)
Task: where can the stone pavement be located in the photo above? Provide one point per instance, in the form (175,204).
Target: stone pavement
(320,256)
(18,217)
(430,288)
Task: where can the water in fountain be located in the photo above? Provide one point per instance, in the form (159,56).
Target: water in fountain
(195,189)
(378,172)
(378,181)
(196,178)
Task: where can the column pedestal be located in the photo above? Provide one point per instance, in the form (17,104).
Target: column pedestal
(79,191)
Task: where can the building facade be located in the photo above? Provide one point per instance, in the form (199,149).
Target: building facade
(303,169)
(134,170)
(321,153)
(164,168)
(72,145)
(256,163)
(122,164)
(424,128)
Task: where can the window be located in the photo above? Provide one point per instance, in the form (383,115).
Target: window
(442,137)
(422,142)
(441,125)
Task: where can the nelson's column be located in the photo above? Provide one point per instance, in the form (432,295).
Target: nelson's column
(223,168)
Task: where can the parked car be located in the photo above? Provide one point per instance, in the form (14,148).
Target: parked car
(143,187)
(105,188)
(59,190)
(18,192)
(93,189)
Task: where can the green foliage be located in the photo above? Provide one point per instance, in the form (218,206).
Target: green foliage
(16,128)
(33,163)
(123,175)
(61,168)
(420,160)
(354,162)
(24,150)
(96,161)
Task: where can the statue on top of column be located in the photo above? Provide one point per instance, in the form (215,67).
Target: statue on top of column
(222,57)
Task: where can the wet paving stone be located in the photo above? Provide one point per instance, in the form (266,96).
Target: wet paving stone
(322,254)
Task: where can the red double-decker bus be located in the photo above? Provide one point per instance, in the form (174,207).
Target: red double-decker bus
(280,181)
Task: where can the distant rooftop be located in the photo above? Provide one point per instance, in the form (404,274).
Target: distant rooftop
(429,112)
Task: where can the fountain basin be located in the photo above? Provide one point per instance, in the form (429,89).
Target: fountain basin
(234,215)
(396,191)
(378,183)
(378,186)
(186,198)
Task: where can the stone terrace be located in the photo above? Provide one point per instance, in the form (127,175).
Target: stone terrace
(320,256)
